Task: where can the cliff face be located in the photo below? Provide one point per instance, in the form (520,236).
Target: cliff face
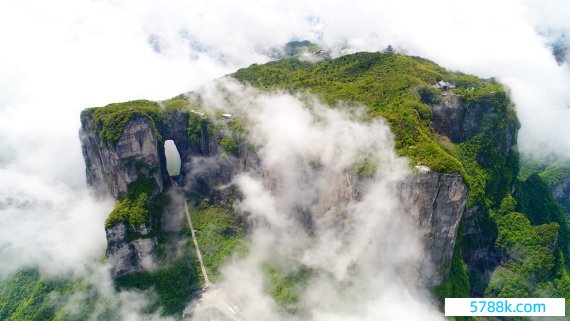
(465,206)
(435,201)
(561,192)
(138,154)
(460,121)
(127,256)
(474,123)
(113,168)
(487,125)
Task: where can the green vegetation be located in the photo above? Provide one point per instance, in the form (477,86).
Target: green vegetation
(179,102)
(457,284)
(29,296)
(238,125)
(135,208)
(110,120)
(196,124)
(219,232)
(399,88)
(296,48)
(531,256)
(430,95)
(131,211)
(528,240)
(534,199)
(529,166)
(393,86)
(517,216)
(175,277)
(285,287)
(366,168)
(552,173)
(229,145)
(556,173)
(25,296)
(533,244)
(173,283)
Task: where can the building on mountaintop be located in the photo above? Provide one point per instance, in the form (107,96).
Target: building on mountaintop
(389,50)
(444,85)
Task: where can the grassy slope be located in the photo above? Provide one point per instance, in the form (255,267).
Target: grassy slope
(219,232)
(29,296)
(386,84)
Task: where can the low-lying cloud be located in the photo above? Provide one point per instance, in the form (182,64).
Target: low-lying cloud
(310,211)
(48,226)
(60,57)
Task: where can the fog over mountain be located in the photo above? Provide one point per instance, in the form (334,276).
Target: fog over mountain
(356,265)
(60,57)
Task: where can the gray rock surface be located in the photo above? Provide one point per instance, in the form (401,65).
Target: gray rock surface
(130,257)
(459,122)
(112,168)
(436,202)
(140,154)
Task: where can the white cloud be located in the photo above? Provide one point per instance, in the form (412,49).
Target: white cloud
(94,298)
(307,210)
(59,57)
(48,226)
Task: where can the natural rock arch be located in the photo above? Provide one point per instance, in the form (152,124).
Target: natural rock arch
(173,160)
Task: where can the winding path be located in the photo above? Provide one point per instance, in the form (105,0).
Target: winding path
(212,297)
(198,252)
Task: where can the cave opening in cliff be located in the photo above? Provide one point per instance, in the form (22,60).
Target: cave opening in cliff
(173,161)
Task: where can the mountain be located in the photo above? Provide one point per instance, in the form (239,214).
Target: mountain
(555,174)
(482,232)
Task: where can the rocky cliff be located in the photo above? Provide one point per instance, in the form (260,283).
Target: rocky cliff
(459,120)
(561,192)
(485,130)
(464,135)
(137,158)
(127,256)
(436,201)
(112,168)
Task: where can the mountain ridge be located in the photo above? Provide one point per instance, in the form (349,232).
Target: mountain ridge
(459,128)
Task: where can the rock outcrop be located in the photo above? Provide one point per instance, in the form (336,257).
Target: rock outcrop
(112,168)
(436,202)
(561,192)
(126,256)
(139,154)
(459,121)
(495,127)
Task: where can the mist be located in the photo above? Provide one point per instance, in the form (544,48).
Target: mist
(310,211)
(60,57)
